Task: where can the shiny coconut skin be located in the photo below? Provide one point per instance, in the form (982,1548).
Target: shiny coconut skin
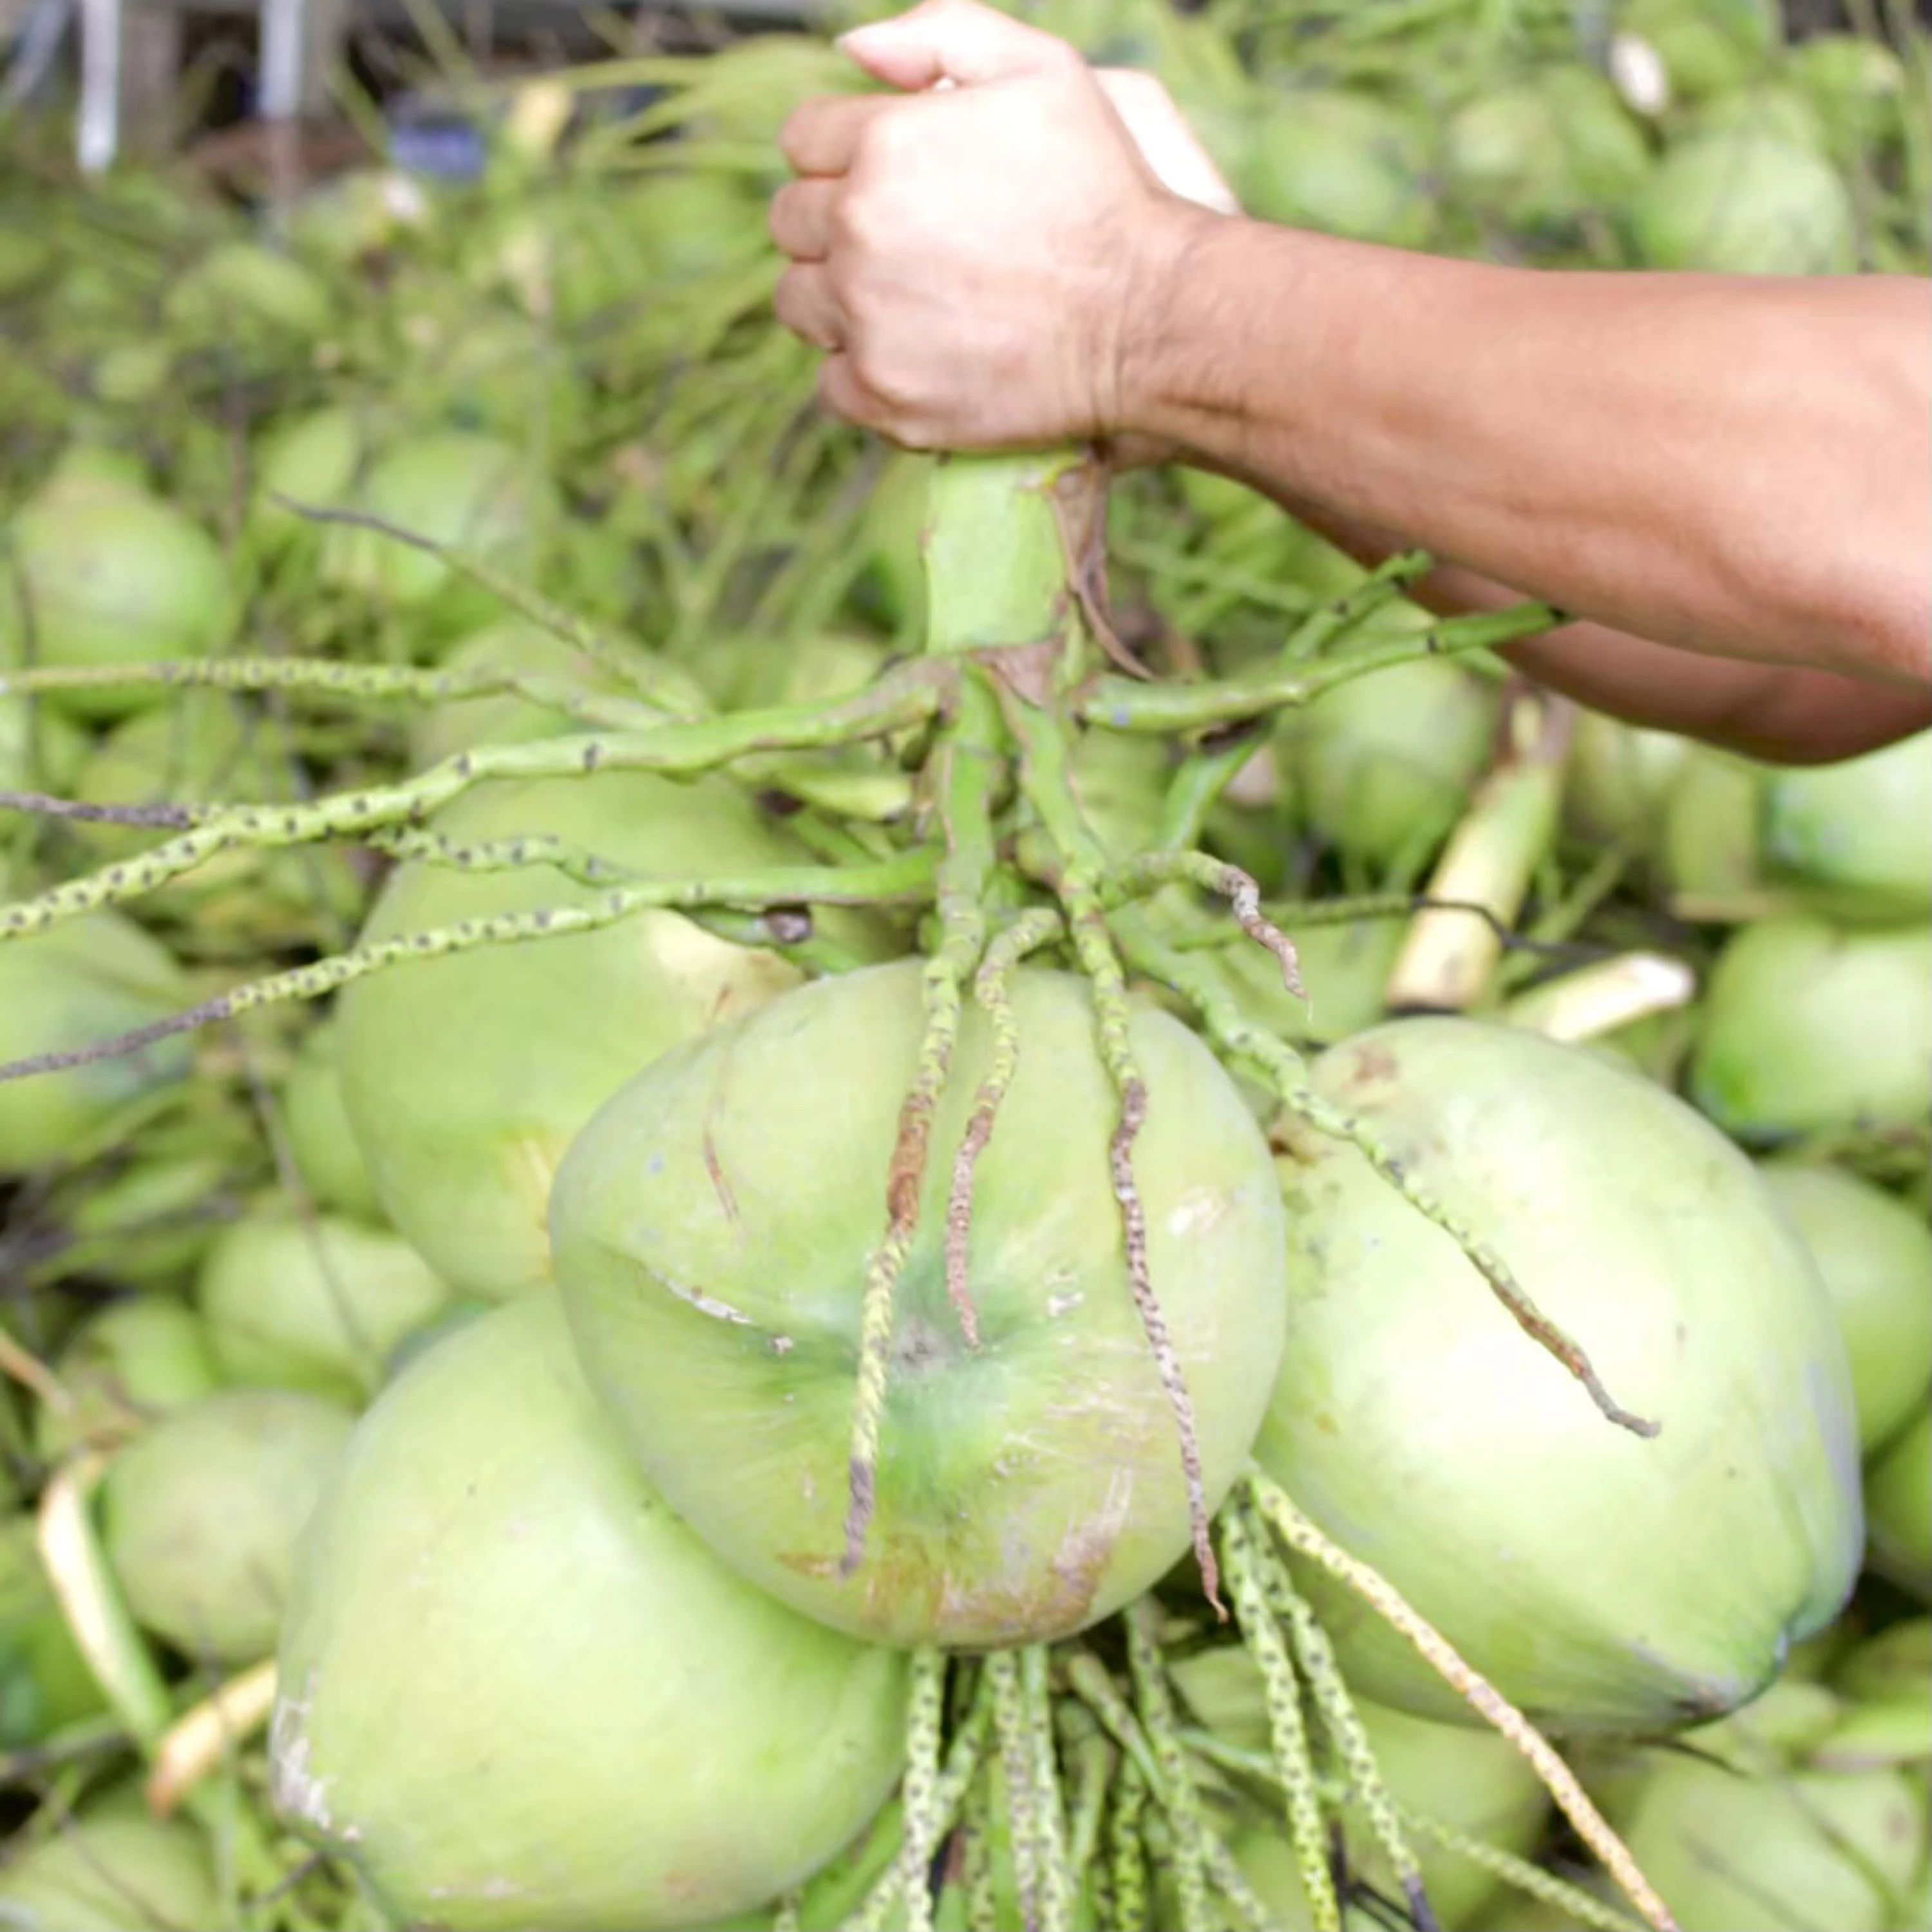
(516,1691)
(1601,1581)
(713,1228)
(465,1079)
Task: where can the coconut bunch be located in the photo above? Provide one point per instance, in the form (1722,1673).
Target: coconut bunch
(967,1520)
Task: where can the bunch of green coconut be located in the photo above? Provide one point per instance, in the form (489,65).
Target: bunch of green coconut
(754,1302)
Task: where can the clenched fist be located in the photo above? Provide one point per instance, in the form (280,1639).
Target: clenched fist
(983,256)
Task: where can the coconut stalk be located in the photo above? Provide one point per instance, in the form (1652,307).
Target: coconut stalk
(1448,961)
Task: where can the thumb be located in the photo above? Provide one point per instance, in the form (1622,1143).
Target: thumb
(1168,145)
(958,41)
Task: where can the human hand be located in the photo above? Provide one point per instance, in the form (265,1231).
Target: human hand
(980,262)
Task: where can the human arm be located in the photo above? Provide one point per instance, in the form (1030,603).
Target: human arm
(1732,479)
(1781,714)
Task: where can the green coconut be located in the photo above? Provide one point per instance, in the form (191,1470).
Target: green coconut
(98,573)
(681,228)
(146,1226)
(474,493)
(1898,1508)
(466,1078)
(514,644)
(44,1680)
(1857,835)
(72,985)
(1746,200)
(128,373)
(1894,1661)
(1875,1256)
(1878,1732)
(1602,1580)
(1549,149)
(206,747)
(321,1142)
(201,1512)
(131,1362)
(712,1253)
(1707,841)
(40,750)
(1807,1028)
(1727,1850)
(1473,1782)
(313,460)
(1859,88)
(1706,46)
(742,672)
(1767,107)
(26,258)
(500,1636)
(320,1303)
(1344,966)
(113,1869)
(241,291)
(1617,784)
(1382,766)
(1343,162)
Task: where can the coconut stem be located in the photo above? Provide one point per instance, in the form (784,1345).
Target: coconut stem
(1126,1850)
(1016,1766)
(1090,1760)
(201,1738)
(920,1791)
(1307,1831)
(1055,1869)
(1142,1772)
(345,683)
(1381,588)
(623,659)
(1283,1069)
(962,1767)
(1301,1535)
(1597,999)
(1079,866)
(776,892)
(1316,1657)
(996,554)
(1582,1905)
(967,767)
(976,1860)
(1183,1803)
(1448,960)
(82,1582)
(1150,871)
(682,748)
(1025,933)
(1123,704)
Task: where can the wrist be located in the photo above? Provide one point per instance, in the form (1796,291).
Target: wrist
(1179,381)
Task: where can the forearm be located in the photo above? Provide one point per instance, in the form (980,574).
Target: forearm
(1784,714)
(1741,468)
